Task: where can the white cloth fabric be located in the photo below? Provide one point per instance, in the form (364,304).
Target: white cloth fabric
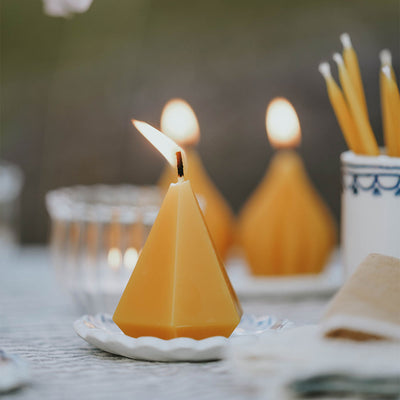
(65,8)
(368,303)
(283,359)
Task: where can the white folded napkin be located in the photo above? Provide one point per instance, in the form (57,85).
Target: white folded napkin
(354,351)
(368,305)
(302,361)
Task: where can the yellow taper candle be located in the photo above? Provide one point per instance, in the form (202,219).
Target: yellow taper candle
(341,110)
(368,141)
(392,138)
(352,66)
(392,111)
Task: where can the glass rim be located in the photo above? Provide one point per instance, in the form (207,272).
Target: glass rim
(124,203)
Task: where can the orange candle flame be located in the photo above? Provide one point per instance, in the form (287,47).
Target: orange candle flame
(179,122)
(166,146)
(282,123)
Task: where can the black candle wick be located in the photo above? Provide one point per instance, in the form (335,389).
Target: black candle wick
(179,163)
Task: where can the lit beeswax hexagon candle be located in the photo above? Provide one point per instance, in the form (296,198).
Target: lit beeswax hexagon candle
(285,227)
(179,287)
(179,122)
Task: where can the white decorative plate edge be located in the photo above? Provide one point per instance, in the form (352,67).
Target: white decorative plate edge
(101,332)
(248,286)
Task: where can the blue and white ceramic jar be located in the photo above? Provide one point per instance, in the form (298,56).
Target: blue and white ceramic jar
(370,207)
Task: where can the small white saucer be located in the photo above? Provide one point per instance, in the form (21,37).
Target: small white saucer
(248,286)
(14,372)
(103,333)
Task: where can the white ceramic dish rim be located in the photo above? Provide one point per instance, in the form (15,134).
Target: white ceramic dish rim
(178,349)
(327,282)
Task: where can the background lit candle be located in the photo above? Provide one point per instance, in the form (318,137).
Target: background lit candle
(179,122)
(285,228)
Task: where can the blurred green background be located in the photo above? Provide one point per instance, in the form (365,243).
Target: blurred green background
(69,87)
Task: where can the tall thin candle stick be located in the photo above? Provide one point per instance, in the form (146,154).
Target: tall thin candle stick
(351,62)
(341,110)
(370,147)
(392,112)
(388,121)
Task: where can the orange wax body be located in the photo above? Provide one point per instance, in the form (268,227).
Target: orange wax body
(218,215)
(179,287)
(285,228)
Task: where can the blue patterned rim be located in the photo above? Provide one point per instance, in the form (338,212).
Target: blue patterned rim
(370,177)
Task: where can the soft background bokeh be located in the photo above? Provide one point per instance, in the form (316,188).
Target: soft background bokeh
(69,87)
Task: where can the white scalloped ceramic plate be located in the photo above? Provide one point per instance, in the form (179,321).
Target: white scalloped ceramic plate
(14,372)
(249,286)
(103,333)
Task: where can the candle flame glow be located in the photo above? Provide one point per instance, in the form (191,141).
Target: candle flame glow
(179,122)
(282,123)
(166,146)
(130,258)
(114,258)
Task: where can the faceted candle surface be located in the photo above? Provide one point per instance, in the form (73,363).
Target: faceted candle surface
(179,287)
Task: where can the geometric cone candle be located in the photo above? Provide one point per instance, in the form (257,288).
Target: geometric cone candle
(285,228)
(179,122)
(179,287)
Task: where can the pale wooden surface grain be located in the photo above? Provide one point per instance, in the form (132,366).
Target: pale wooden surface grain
(36,323)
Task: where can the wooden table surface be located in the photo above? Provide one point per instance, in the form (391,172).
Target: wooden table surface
(36,323)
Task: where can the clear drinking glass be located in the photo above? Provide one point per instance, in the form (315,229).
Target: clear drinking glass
(97,233)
